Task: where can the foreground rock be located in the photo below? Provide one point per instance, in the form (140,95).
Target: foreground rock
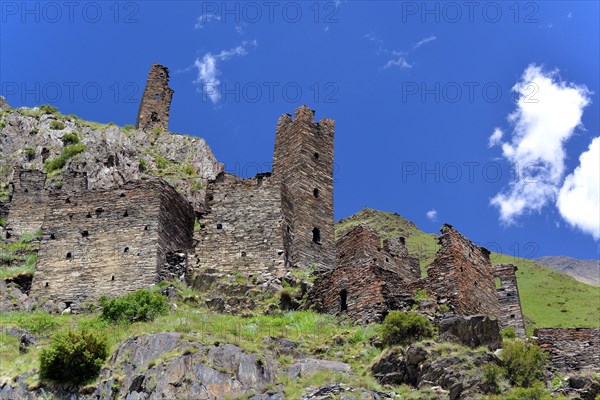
(472,331)
(454,368)
(169,366)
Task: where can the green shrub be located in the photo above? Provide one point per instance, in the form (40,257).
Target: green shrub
(143,164)
(161,162)
(57,125)
(509,333)
(29,153)
(141,305)
(537,392)
(492,375)
(48,109)
(70,138)
(405,328)
(73,356)
(67,153)
(523,362)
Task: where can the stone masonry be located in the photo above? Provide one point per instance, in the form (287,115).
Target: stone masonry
(156,100)
(303,166)
(28,203)
(369,279)
(511,314)
(110,241)
(274,222)
(462,275)
(571,349)
(242,229)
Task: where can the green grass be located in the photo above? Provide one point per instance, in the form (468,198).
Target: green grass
(320,334)
(19,257)
(68,152)
(549,298)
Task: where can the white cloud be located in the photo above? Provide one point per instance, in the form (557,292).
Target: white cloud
(208,71)
(570,15)
(426,40)
(399,60)
(205,19)
(579,197)
(548,111)
(496,138)
(432,215)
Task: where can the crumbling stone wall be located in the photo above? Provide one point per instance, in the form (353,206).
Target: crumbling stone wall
(462,274)
(368,280)
(110,241)
(28,202)
(303,166)
(571,349)
(156,100)
(242,230)
(511,314)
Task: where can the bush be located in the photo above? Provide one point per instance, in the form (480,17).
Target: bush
(29,153)
(405,328)
(70,138)
(73,356)
(67,153)
(537,392)
(57,125)
(492,375)
(141,305)
(523,362)
(48,109)
(509,333)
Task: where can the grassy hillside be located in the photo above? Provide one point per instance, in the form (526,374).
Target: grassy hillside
(549,298)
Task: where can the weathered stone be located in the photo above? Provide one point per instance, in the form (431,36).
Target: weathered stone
(308,366)
(571,349)
(368,280)
(156,101)
(511,314)
(462,274)
(303,166)
(109,242)
(472,331)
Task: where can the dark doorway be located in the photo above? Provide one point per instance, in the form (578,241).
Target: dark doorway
(343,300)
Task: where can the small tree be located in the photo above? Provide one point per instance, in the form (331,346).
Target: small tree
(73,356)
(524,362)
(405,328)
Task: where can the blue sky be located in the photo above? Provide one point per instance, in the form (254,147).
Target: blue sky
(417,91)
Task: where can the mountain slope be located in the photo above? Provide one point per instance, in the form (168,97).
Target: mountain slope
(586,271)
(548,297)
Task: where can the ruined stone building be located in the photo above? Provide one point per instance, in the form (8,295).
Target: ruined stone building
(274,222)
(110,241)
(156,100)
(511,314)
(571,349)
(463,275)
(117,240)
(371,277)
(28,202)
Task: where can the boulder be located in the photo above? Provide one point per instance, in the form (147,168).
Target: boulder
(309,366)
(472,331)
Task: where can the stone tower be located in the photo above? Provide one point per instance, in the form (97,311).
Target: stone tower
(156,101)
(303,167)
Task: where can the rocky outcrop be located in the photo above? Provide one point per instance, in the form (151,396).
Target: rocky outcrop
(112,155)
(169,366)
(455,369)
(472,331)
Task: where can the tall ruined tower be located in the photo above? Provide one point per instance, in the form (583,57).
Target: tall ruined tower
(156,101)
(303,167)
